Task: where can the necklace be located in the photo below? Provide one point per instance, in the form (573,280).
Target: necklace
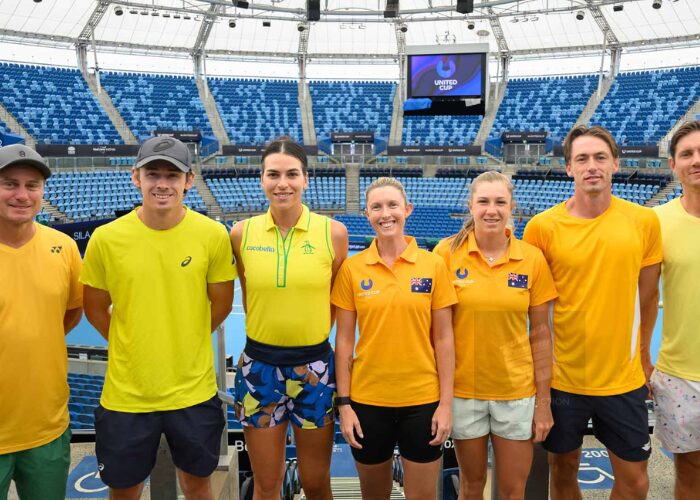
(490,259)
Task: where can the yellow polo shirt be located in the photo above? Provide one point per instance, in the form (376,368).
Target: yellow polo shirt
(680,344)
(595,264)
(492,345)
(288,280)
(394,358)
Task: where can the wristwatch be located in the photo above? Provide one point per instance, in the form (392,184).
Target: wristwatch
(342,400)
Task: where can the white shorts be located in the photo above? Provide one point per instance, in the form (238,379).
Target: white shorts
(677,412)
(475,418)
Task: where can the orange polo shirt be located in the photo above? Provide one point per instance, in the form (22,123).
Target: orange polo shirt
(492,346)
(394,358)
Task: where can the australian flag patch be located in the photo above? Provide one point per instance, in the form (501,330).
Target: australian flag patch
(517,280)
(421,285)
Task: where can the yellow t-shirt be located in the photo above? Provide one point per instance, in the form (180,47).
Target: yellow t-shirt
(39,284)
(680,346)
(394,358)
(595,264)
(288,280)
(160,347)
(492,345)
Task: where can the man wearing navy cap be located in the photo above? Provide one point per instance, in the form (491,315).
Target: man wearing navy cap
(40,302)
(168,274)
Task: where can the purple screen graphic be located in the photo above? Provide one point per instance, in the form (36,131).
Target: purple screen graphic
(446,75)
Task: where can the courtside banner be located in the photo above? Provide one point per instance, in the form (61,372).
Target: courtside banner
(523,136)
(81,231)
(352,137)
(182,135)
(242,150)
(645,151)
(433,150)
(87,150)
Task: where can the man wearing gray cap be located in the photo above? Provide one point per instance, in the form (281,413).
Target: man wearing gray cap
(167,273)
(40,302)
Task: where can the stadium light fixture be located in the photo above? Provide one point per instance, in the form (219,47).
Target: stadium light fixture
(656,4)
(403,28)
(618,8)
(241,4)
(580,15)
(471,25)
(37,1)
(231,23)
(118,11)
(301,27)
(267,24)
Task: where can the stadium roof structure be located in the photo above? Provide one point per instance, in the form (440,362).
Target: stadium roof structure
(348,29)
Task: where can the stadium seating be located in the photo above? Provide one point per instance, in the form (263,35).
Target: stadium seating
(97,194)
(239,191)
(440,130)
(55,105)
(352,107)
(255,111)
(642,106)
(149,102)
(549,104)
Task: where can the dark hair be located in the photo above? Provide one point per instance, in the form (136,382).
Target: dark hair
(595,131)
(686,128)
(286,146)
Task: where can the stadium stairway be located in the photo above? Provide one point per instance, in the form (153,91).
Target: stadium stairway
(396,131)
(217,123)
(660,197)
(352,188)
(496,94)
(15,127)
(308,128)
(213,208)
(691,114)
(108,106)
(56,214)
(593,102)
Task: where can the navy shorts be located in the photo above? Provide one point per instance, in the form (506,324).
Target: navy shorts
(126,443)
(620,422)
(384,427)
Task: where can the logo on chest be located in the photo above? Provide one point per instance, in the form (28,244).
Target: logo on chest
(367,286)
(308,248)
(421,285)
(517,280)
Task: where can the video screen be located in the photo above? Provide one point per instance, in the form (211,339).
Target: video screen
(446,75)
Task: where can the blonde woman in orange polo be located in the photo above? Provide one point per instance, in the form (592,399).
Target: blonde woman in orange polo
(397,387)
(503,371)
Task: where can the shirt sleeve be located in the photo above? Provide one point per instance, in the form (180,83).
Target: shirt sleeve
(75,296)
(342,294)
(222,266)
(444,294)
(93,271)
(442,249)
(653,250)
(542,289)
(533,235)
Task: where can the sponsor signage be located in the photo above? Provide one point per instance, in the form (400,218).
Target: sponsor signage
(81,231)
(87,150)
(434,150)
(243,150)
(523,136)
(352,136)
(646,151)
(183,135)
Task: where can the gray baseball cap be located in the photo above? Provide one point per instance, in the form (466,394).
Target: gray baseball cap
(19,154)
(169,149)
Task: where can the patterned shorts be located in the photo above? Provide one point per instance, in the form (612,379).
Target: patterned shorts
(677,411)
(267,395)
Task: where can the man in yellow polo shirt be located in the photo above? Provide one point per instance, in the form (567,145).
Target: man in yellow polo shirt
(676,380)
(167,273)
(40,302)
(605,254)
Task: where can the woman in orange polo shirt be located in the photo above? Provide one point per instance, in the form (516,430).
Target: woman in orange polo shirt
(503,371)
(397,389)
